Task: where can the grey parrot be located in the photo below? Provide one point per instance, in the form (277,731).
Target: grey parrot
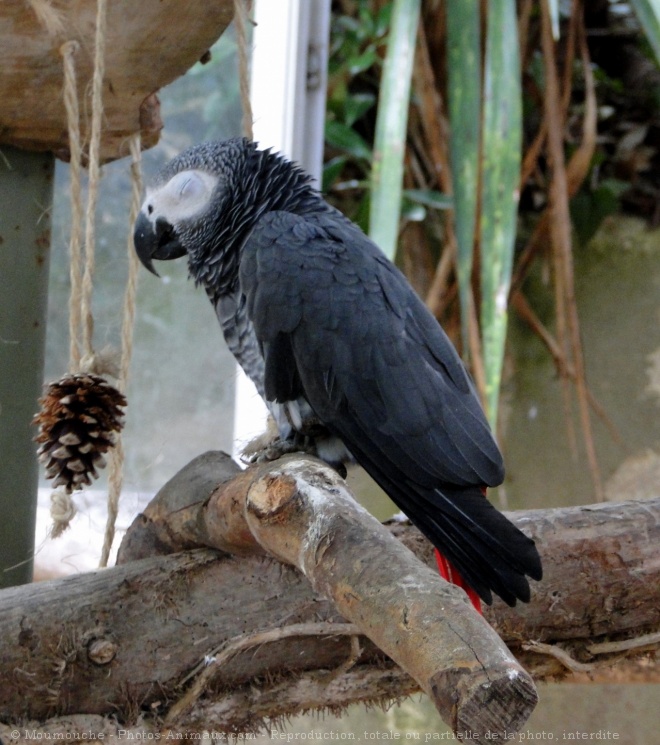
(340,347)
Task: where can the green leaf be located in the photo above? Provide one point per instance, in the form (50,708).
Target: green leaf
(356,106)
(464,96)
(361,216)
(362,62)
(429,198)
(331,171)
(367,20)
(391,124)
(590,208)
(344,138)
(383,20)
(501,146)
(648,13)
(351,26)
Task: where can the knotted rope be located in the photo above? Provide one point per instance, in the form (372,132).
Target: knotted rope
(82,356)
(116,465)
(241,20)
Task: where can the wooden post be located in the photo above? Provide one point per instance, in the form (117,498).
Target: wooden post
(26,197)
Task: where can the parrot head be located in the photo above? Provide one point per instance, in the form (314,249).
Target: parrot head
(181,208)
(167,212)
(205,202)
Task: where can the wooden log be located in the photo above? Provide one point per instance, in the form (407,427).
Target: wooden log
(600,580)
(300,511)
(303,514)
(165,617)
(601,573)
(149,44)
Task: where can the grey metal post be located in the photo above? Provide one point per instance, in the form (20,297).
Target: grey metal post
(26,197)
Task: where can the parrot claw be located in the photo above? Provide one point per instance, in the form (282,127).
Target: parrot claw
(296,444)
(275,450)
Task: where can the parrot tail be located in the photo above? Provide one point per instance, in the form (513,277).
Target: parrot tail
(449,573)
(477,542)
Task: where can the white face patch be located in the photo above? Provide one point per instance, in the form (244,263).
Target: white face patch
(181,198)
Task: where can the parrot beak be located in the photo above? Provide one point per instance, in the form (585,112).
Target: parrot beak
(157,241)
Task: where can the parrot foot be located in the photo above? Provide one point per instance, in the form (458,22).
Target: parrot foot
(296,444)
(276,449)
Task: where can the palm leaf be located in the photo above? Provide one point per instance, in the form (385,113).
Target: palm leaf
(502,136)
(648,13)
(464,96)
(391,124)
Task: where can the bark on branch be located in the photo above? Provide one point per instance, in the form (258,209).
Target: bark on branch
(299,511)
(135,640)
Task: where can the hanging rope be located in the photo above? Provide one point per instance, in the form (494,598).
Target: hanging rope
(241,20)
(81,319)
(62,512)
(93,186)
(82,413)
(81,323)
(51,19)
(62,506)
(116,469)
(68,52)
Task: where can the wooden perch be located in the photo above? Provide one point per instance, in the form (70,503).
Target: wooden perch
(299,511)
(137,641)
(420,621)
(145,50)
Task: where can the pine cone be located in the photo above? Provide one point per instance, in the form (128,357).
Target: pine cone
(79,418)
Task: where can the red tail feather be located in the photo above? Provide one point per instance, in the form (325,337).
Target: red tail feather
(449,573)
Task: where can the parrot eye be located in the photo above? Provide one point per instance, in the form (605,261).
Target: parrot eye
(183,196)
(189,186)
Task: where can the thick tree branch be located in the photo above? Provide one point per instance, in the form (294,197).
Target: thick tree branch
(132,641)
(301,512)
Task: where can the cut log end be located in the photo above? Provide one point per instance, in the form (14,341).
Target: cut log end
(271,494)
(486,706)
